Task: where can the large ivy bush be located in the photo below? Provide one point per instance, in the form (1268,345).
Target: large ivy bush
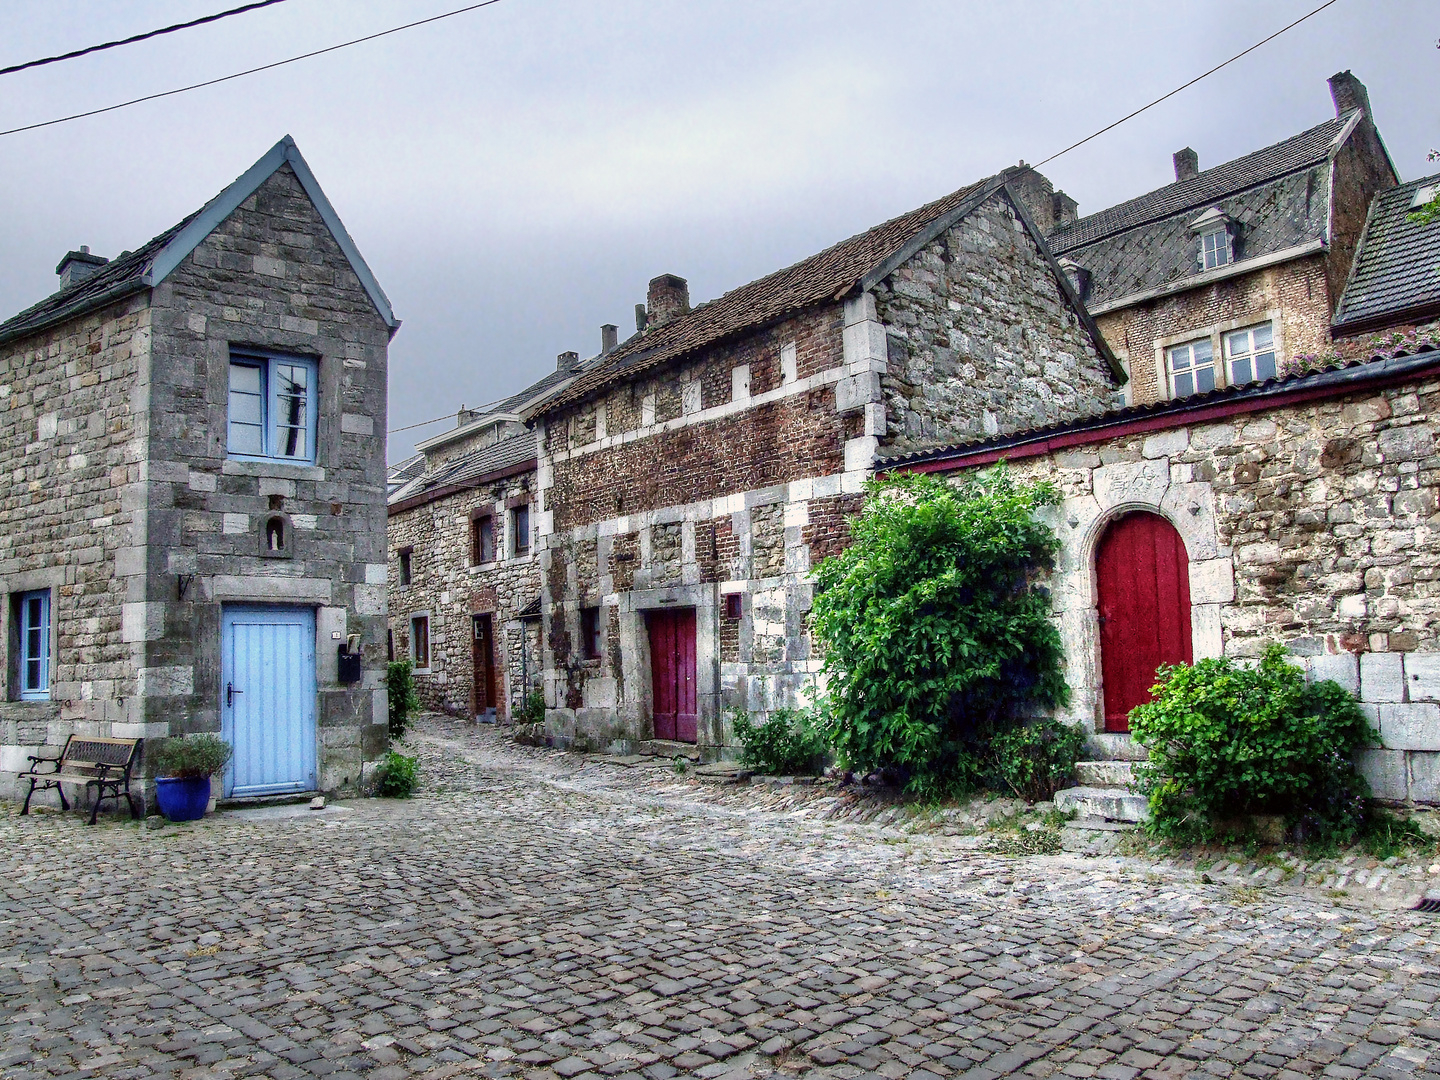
(935,630)
(400,685)
(1036,760)
(1228,741)
(785,744)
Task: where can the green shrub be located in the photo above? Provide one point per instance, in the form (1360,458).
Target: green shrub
(191,755)
(1036,760)
(532,710)
(935,631)
(396,775)
(1227,741)
(400,683)
(786,744)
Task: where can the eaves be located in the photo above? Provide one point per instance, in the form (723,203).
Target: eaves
(436,494)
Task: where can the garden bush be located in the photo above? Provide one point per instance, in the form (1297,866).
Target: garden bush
(191,755)
(935,629)
(532,710)
(396,776)
(786,744)
(400,684)
(1227,742)
(1036,760)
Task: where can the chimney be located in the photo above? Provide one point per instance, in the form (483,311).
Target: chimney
(1037,194)
(567,361)
(640,318)
(76,266)
(669,298)
(609,338)
(1187,164)
(464,416)
(1348,93)
(1063,208)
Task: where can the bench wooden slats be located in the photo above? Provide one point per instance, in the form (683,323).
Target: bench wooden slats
(86,761)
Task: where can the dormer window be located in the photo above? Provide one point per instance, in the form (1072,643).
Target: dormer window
(1216,232)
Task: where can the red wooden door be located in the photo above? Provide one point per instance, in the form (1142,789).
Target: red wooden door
(1142,578)
(672,674)
(483,646)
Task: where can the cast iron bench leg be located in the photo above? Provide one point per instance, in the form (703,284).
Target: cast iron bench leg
(26,808)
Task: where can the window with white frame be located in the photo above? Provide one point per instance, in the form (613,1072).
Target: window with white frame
(1191,367)
(420,642)
(272,407)
(1215,249)
(1250,354)
(520,530)
(34,650)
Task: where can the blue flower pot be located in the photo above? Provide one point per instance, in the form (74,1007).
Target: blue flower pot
(182,798)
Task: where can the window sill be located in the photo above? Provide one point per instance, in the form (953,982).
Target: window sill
(284,470)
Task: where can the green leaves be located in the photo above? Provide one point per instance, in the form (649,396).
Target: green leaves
(933,628)
(786,744)
(1227,741)
(400,686)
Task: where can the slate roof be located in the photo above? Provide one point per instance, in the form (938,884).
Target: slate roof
(818,279)
(1339,377)
(1397,267)
(1279,196)
(401,474)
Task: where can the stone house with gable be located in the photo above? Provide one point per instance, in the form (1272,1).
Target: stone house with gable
(464,581)
(1394,284)
(194,509)
(689,480)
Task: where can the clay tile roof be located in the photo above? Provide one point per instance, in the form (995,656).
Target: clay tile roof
(1298,152)
(815,280)
(1397,269)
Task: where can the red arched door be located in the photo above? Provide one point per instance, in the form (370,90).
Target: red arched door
(1142,580)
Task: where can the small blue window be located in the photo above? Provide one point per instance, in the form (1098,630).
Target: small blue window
(272,407)
(35,646)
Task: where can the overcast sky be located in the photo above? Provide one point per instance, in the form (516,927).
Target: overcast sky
(515,175)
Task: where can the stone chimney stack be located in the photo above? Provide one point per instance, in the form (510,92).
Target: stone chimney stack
(1063,208)
(567,361)
(640,318)
(76,266)
(1348,93)
(669,298)
(1187,164)
(609,338)
(464,416)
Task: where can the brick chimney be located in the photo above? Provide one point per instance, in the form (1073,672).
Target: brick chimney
(76,266)
(567,361)
(668,299)
(1187,164)
(609,338)
(1348,93)
(1063,208)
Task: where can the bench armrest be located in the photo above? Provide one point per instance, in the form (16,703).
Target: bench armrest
(36,762)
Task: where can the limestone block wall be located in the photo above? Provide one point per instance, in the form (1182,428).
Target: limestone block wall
(981,340)
(450,589)
(1312,524)
(70,505)
(270,277)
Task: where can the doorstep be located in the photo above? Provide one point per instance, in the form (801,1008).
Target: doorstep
(245,802)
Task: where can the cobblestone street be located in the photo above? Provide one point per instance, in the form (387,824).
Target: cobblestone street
(538,914)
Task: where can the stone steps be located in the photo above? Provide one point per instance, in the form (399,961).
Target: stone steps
(1105,793)
(667,749)
(1105,773)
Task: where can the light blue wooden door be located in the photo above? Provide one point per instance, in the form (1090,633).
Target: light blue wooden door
(267,699)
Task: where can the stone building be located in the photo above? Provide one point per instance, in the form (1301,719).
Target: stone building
(1230,273)
(1394,284)
(464,583)
(688,481)
(194,513)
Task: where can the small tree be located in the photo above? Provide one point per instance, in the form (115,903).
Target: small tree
(935,631)
(400,684)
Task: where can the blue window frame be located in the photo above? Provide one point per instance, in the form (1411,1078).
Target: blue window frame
(272,407)
(35,646)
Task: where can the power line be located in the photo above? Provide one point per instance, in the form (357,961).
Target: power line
(138,37)
(1177,90)
(249,71)
(479,410)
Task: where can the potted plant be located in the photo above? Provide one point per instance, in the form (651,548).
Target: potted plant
(183,768)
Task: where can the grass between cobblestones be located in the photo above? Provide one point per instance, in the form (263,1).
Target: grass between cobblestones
(540,914)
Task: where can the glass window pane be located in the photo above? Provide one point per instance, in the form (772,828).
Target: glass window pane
(291,442)
(1265,366)
(1264,336)
(246,439)
(1238,343)
(291,378)
(1240,371)
(1204,379)
(1203,352)
(1184,385)
(245,408)
(245,378)
(1180,358)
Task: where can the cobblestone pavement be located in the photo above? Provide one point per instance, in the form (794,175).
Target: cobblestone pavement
(539,914)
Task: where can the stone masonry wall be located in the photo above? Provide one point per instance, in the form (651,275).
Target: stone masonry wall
(1313,525)
(981,340)
(272,277)
(67,453)
(450,588)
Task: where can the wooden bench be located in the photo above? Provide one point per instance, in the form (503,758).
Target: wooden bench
(87,761)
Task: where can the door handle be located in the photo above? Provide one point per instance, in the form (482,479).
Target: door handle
(230,693)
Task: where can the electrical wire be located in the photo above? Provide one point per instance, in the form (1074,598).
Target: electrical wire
(479,410)
(249,71)
(1192,82)
(137,37)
